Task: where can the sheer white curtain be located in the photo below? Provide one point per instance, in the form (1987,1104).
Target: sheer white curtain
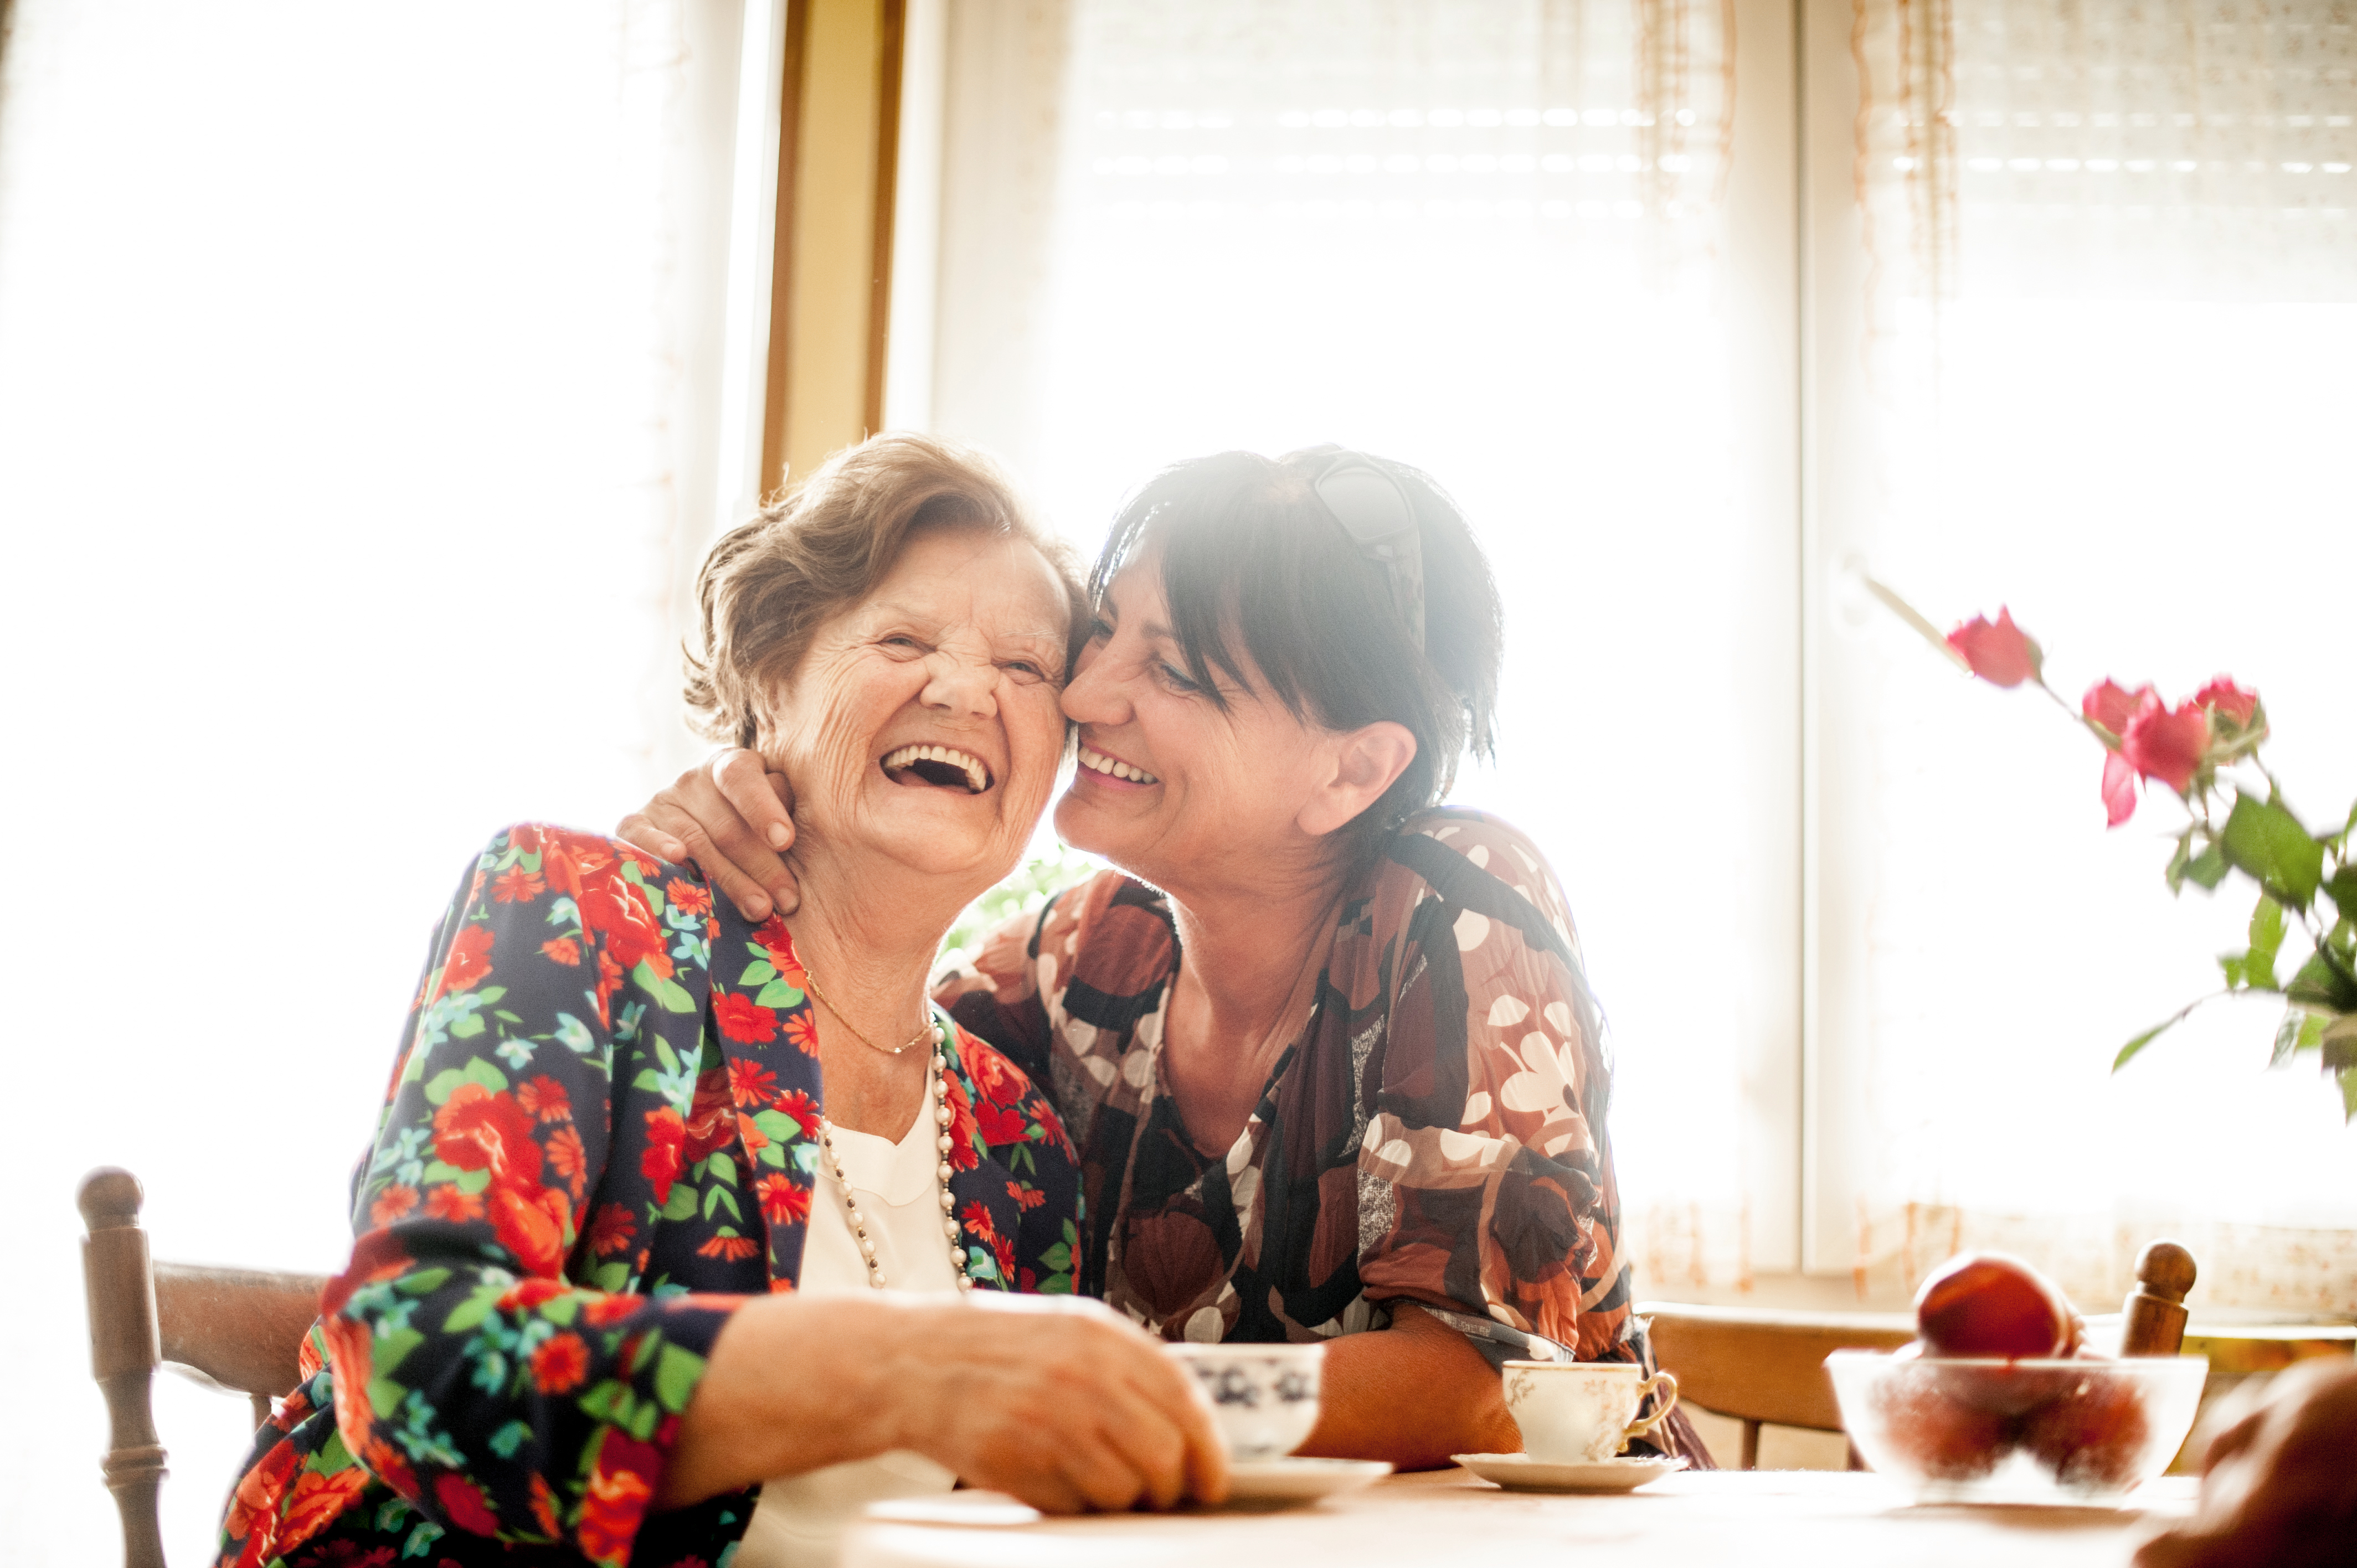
(2115,262)
(350,361)
(1488,239)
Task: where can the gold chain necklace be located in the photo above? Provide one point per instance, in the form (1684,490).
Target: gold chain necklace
(924,1031)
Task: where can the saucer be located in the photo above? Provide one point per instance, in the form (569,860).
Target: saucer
(1520,1473)
(1273,1482)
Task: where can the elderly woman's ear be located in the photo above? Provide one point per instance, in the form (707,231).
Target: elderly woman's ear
(1362,764)
(734,819)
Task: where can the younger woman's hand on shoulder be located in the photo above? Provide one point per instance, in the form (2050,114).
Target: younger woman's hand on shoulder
(734,819)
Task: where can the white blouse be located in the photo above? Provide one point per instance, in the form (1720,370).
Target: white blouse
(801,1519)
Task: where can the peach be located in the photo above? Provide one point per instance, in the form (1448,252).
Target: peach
(1989,1304)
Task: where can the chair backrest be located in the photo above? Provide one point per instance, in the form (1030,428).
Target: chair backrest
(1759,1365)
(238,1330)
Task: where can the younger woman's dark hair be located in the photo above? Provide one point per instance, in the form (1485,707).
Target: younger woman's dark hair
(1250,555)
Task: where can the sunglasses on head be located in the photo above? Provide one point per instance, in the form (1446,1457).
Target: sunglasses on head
(1376,514)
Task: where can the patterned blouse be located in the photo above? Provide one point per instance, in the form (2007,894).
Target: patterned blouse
(599,1141)
(1435,1135)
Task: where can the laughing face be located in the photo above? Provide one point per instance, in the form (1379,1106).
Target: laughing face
(1171,786)
(922,723)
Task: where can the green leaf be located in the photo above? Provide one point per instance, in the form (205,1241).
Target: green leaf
(778,993)
(677,1372)
(605,1399)
(385,1395)
(2349,1094)
(2266,940)
(681,1204)
(2207,869)
(2299,1031)
(2129,1051)
(2322,988)
(2177,861)
(474,1309)
(2267,843)
(670,992)
(2342,885)
(441,1086)
(758,972)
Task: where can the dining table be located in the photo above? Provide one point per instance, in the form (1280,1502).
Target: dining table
(1751,1519)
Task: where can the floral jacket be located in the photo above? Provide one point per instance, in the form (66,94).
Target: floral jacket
(1436,1134)
(599,1141)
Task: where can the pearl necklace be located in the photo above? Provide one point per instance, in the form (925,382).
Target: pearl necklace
(938,1082)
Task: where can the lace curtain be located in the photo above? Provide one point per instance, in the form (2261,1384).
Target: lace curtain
(2113,248)
(2111,149)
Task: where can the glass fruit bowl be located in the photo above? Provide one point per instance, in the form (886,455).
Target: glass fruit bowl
(1971,1430)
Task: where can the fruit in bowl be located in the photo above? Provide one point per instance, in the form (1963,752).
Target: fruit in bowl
(1993,1303)
(1999,1401)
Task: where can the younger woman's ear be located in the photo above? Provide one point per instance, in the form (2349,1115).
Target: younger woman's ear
(1366,762)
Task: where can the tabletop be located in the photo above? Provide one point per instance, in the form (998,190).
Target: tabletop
(1756,1518)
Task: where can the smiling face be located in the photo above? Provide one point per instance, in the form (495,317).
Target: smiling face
(1172,788)
(922,723)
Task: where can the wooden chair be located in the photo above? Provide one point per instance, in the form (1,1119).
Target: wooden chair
(1765,1367)
(232,1329)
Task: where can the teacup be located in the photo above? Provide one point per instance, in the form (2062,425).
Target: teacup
(1265,1397)
(1581,1413)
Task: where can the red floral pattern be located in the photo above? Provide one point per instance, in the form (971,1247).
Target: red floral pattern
(580,1170)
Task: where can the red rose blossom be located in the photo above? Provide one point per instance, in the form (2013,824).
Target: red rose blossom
(743,1020)
(2119,789)
(621,1486)
(469,960)
(463,1504)
(533,1224)
(2112,706)
(2224,697)
(2168,744)
(1999,652)
(478,1130)
(661,1164)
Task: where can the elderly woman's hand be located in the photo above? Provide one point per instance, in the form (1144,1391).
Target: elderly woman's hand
(1060,1400)
(734,819)
(1062,1403)
(2280,1486)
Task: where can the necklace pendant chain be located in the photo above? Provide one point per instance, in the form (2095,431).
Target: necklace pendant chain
(924,1030)
(938,1087)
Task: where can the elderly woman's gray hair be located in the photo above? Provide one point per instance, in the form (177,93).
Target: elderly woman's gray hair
(822,547)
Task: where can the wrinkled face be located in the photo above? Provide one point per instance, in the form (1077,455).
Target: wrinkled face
(923,725)
(1170,788)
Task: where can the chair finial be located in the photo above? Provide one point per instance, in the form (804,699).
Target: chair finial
(109,1198)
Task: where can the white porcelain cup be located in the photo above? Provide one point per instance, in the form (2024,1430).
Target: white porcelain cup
(1581,1413)
(1265,1397)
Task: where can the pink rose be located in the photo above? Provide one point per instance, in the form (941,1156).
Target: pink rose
(2119,789)
(1999,653)
(2168,744)
(2112,706)
(2229,700)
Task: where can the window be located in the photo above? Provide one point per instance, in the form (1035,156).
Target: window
(1491,240)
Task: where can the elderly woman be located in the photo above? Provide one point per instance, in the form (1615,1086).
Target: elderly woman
(664,1203)
(1325,1047)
